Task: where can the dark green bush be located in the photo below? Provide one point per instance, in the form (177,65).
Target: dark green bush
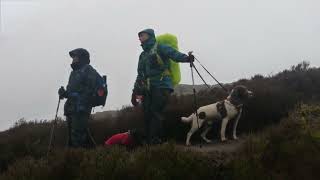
(159,162)
(285,151)
(274,97)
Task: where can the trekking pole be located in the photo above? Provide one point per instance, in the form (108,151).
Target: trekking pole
(89,132)
(52,128)
(194,93)
(91,137)
(212,76)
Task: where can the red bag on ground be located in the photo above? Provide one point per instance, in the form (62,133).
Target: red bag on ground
(120,139)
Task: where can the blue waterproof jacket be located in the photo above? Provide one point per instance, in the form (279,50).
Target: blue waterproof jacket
(153,66)
(81,85)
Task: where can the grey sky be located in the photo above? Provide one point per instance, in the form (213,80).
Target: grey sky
(234,39)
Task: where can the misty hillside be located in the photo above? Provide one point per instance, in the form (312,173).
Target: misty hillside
(280,132)
(186,89)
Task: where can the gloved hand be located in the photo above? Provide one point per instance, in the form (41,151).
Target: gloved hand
(133,98)
(62,92)
(190,57)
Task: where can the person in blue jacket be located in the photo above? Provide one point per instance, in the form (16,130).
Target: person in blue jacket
(78,93)
(154,82)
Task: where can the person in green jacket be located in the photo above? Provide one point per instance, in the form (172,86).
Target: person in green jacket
(154,83)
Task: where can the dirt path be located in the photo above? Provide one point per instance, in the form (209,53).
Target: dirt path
(220,153)
(227,147)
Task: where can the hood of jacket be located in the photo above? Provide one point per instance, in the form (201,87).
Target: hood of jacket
(83,55)
(148,44)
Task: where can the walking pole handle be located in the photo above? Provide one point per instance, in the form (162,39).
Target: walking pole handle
(190,54)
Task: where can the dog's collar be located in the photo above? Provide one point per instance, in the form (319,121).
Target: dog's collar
(237,106)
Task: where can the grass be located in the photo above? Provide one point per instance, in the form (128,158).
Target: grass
(159,162)
(284,151)
(289,149)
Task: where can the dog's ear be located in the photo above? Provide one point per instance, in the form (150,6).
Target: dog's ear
(241,91)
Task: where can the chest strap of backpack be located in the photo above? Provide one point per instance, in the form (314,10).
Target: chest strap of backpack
(166,71)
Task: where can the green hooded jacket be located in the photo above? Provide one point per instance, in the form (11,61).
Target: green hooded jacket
(153,66)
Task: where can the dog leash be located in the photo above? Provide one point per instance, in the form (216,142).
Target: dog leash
(193,66)
(225,89)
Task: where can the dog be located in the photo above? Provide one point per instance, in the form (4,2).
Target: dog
(226,110)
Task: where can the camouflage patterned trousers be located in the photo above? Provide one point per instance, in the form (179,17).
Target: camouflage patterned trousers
(78,130)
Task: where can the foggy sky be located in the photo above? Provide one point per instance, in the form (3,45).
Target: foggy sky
(234,39)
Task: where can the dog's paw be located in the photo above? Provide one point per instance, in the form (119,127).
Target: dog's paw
(235,138)
(207,140)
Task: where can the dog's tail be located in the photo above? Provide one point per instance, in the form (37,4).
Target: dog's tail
(187,119)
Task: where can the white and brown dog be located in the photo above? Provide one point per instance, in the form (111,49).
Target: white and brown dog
(226,110)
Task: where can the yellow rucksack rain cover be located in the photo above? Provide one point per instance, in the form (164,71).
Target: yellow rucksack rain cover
(172,41)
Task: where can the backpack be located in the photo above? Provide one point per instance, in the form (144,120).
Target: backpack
(174,68)
(100,94)
(100,90)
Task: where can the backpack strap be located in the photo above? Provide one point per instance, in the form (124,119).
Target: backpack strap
(166,71)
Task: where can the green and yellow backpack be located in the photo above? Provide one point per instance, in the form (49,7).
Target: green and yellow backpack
(174,68)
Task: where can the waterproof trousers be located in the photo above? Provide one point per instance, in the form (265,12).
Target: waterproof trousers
(154,103)
(78,130)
